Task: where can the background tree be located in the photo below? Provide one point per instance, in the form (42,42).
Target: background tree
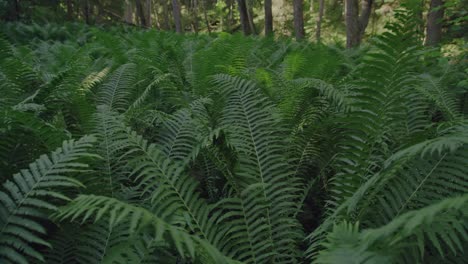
(244,17)
(356,24)
(319,20)
(268,18)
(177,16)
(434,23)
(298,7)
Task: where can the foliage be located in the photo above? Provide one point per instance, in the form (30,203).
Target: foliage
(229,149)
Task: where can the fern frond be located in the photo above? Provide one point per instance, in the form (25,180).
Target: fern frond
(441,225)
(23,199)
(254,131)
(115,91)
(94,208)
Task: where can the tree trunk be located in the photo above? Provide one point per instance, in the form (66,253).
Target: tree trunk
(86,11)
(195,15)
(205,15)
(298,19)
(177,16)
(128,13)
(165,12)
(141,13)
(69,10)
(268,18)
(250,17)
(244,17)
(366,8)
(148,13)
(318,32)
(434,23)
(355,24)
(17,10)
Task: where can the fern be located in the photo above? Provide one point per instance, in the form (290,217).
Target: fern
(23,199)
(95,207)
(266,190)
(442,224)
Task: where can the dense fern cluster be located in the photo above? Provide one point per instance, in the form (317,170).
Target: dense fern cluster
(197,149)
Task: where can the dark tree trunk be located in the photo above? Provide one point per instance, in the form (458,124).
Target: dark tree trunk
(177,16)
(69,10)
(148,12)
(195,15)
(355,24)
(298,19)
(205,15)
(352,24)
(268,18)
(165,11)
(250,14)
(141,13)
(318,32)
(434,23)
(366,8)
(17,10)
(244,17)
(128,12)
(86,11)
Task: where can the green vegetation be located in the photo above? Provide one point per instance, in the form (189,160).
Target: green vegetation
(122,145)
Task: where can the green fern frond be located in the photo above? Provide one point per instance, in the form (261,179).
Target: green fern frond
(23,199)
(441,225)
(255,132)
(115,92)
(94,208)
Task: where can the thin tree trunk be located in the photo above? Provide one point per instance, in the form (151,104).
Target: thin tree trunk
(128,13)
(165,11)
(318,32)
(17,10)
(298,19)
(434,23)
(355,24)
(366,8)
(157,18)
(352,23)
(148,13)
(268,18)
(205,15)
(195,15)
(177,16)
(69,10)
(86,12)
(250,14)
(141,13)
(244,17)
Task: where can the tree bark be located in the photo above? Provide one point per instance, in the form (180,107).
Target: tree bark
(86,11)
(195,15)
(355,24)
(177,16)
(268,18)
(250,14)
(128,13)
(244,17)
(141,13)
(298,19)
(352,23)
(69,10)
(318,32)
(366,8)
(205,15)
(434,23)
(148,12)
(165,12)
